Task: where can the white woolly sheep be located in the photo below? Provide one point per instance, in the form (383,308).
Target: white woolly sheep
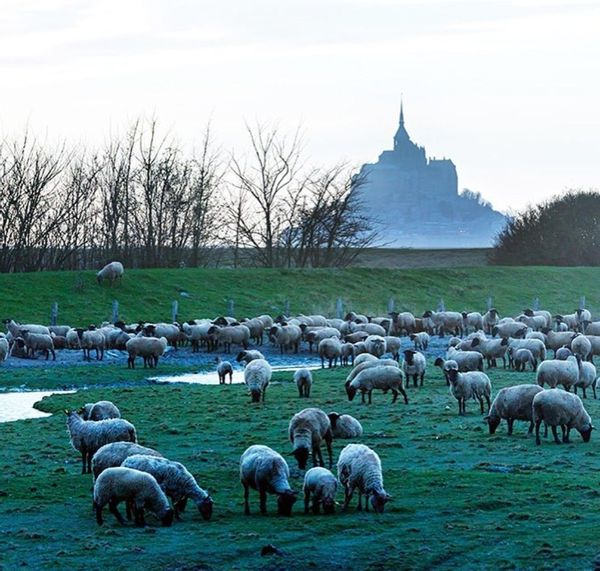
(256,327)
(473,319)
(16,329)
(402,323)
(88,436)
(512,403)
(4,349)
(344,426)
(257,376)
(467,360)
(393,346)
(115,485)
(91,339)
(564,409)
(249,355)
(224,368)
(367,364)
(446,366)
(286,337)
(264,470)
(307,430)
(520,358)
(420,340)
(375,345)
(514,329)
(556,339)
(546,314)
(536,346)
(303,379)
(581,346)
(492,350)
(346,354)
(587,378)
(230,335)
(112,272)
(490,320)
(553,373)
(38,342)
(470,385)
(101,410)
(175,480)
(381,377)
(149,348)
(322,484)
(360,467)
(364,358)
(562,354)
(445,321)
(414,365)
(113,454)
(330,349)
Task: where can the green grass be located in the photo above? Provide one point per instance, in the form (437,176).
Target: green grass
(148,294)
(451,508)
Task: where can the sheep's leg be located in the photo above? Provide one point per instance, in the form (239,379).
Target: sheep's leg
(366,501)
(415,380)
(554,433)
(594,388)
(460,407)
(566,433)
(422,378)
(347,497)
(112,506)
(316,506)
(318,454)
(510,422)
(530,427)
(307,392)
(129,507)
(370,396)
(264,392)
(487,400)
(140,520)
(584,395)
(307,500)
(395,397)
(359,506)
(98,510)
(403,393)
(246,503)
(537,431)
(322,362)
(83,462)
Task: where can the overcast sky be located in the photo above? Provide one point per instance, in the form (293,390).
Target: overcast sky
(509,90)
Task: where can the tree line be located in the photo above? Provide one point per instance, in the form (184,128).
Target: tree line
(143,200)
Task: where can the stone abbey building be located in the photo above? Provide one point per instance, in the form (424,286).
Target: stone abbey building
(415,200)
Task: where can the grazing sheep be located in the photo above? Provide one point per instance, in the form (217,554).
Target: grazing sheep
(257,376)
(420,340)
(307,430)
(111,272)
(322,484)
(149,348)
(330,349)
(344,426)
(381,377)
(414,365)
(359,349)
(470,385)
(224,368)
(318,334)
(101,410)
(512,403)
(360,467)
(303,379)
(521,358)
(564,409)
(365,358)
(536,346)
(115,485)
(367,364)
(249,355)
(556,339)
(553,373)
(16,329)
(446,366)
(587,377)
(581,346)
(114,454)
(38,342)
(264,470)
(175,480)
(88,436)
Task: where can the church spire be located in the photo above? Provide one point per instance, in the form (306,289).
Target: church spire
(401,113)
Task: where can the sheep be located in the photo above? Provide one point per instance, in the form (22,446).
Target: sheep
(149,348)
(360,467)
(570,320)
(256,327)
(521,358)
(356,336)
(371,329)
(467,360)
(112,272)
(249,355)
(16,329)
(375,345)
(264,470)
(553,373)
(307,429)
(561,408)
(454,342)
(356,317)
(446,366)
(344,426)
(316,336)
(381,377)
(224,368)
(490,320)
(303,379)
(170,331)
(18,349)
(91,339)
(563,353)
(101,410)
(363,358)
(414,364)
(286,337)
(491,349)
(322,484)
(330,349)
(591,327)
(117,484)
(539,312)
(369,363)
(420,340)
(113,454)
(175,480)
(346,354)
(583,316)
(512,403)
(557,339)
(534,322)
(470,385)
(4,349)
(536,335)
(402,322)
(581,346)
(473,319)
(87,436)
(38,342)
(536,346)
(445,321)
(595,343)
(587,377)
(196,332)
(230,335)
(72,339)
(359,349)
(257,376)
(511,329)
(393,346)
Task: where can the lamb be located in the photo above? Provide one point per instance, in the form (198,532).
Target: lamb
(360,467)
(175,480)
(149,348)
(257,376)
(87,436)
(536,346)
(101,410)
(112,272)
(264,470)
(38,342)
(512,403)
(114,454)
(555,373)
(303,379)
(570,320)
(330,349)
(470,385)
(491,349)
(375,345)
(393,346)
(490,320)
(117,484)
(346,354)
(420,340)
(91,339)
(4,349)
(307,430)
(224,368)
(381,377)
(581,346)
(249,355)
(587,378)
(322,484)
(564,409)
(414,365)
(344,426)
(521,358)
(473,319)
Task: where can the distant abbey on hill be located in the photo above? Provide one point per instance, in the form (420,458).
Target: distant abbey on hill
(416,203)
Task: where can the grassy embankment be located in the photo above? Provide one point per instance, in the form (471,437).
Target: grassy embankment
(148,294)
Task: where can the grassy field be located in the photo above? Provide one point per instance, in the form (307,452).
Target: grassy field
(461,498)
(148,294)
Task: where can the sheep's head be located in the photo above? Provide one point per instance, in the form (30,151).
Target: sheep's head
(220,321)
(99,277)
(328,506)
(350,390)
(378,501)
(464,314)
(439,362)
(393,314)
(494,331)
(205,507)
(301,454)
(452,375)
(493,422)
(240,356)
(285,501)
(428,313)
(167,519)
(502,343)
(255,393)
(586,432)
(409,356)
(350,316)
(333,418)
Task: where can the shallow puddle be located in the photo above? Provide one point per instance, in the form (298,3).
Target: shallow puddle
(19,405)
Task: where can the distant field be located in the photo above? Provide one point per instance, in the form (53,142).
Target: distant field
(148,294)
(417,258)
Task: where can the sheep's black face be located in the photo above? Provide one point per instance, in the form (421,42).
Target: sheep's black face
(240,356)
(408,355)
(301,455)
(255,396)
(452,375)
(167,519)
(285,502)
(586,434)
(206,508)
(378,502)
(439,362)
(333,418)
(350,391)
(493,423)
(328,506)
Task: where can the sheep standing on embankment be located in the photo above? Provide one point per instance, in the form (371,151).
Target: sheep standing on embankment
(322,485)
(112,273)
(91,339)
(115,485)
(360,467)
(330,349)
(303,379)
(513,403)
(257,376)
(344,426)
(307,430)
(564,409)
(265,471)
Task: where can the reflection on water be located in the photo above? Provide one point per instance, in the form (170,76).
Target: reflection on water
(19,405)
